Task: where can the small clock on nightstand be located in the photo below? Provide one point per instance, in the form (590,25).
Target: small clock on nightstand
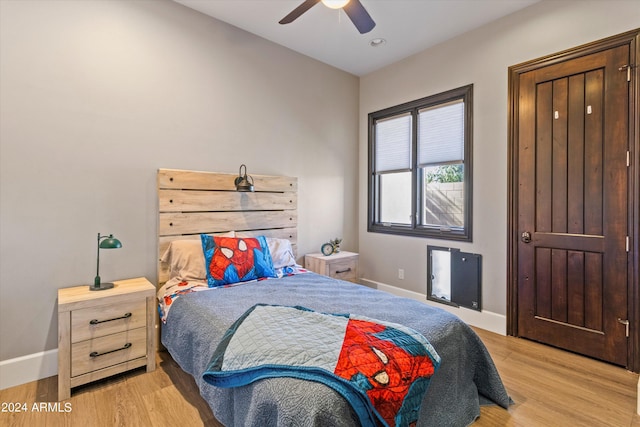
(326,249)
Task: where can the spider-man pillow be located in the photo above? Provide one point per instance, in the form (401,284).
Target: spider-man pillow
(230,260)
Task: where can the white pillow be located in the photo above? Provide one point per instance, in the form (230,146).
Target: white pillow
(281,252)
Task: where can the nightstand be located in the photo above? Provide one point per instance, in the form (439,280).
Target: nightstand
(103,333)
(342,265)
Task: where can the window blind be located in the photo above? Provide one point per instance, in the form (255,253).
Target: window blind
(393,143)
(441,134)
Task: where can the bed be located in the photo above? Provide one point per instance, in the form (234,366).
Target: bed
(197,209)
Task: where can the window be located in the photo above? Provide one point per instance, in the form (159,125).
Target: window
(420,167)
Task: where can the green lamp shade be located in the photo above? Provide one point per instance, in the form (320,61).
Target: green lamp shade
(110,243)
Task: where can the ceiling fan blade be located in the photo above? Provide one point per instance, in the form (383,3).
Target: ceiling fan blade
(295,13)
(359,16)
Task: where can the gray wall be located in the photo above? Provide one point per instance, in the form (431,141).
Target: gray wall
(481,57)
(95,96)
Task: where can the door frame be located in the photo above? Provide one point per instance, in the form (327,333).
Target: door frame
(632,39)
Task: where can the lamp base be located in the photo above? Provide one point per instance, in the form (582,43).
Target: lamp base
(101,287)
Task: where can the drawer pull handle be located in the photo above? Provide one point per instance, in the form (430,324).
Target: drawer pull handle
(343,271)
(96,354)
(96,321)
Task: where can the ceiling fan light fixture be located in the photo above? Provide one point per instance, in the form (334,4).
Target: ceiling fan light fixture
(353,8)
(335,4)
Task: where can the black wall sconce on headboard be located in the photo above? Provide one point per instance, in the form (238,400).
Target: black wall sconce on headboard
(244,183)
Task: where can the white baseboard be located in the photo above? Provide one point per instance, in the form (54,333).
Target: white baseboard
(482,319)
(31,367)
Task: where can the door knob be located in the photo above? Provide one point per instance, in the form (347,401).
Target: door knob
(525,237)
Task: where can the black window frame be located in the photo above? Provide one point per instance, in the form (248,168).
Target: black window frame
(464,93)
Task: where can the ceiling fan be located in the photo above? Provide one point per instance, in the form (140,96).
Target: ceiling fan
(353,8)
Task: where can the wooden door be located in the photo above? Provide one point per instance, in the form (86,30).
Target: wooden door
(572,204)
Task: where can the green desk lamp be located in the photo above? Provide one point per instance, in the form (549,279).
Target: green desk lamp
(104,242)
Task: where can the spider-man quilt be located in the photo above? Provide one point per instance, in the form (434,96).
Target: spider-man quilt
(383,369)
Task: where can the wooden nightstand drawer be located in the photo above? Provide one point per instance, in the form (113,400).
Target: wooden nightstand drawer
(343,269)
(98,353)
(100,321)
(342,265)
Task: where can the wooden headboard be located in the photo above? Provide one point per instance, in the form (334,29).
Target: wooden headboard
(191,203)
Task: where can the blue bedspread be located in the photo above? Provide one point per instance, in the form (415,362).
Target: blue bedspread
(197,324)
(382,369)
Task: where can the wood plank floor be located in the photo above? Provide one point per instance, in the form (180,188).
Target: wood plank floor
(550,388)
